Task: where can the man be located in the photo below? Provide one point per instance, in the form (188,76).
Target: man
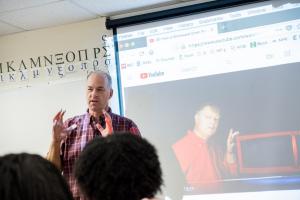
(30,176)
(119,167)
(70,138)
(199,160)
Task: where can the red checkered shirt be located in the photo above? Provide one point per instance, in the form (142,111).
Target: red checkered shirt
(78,138)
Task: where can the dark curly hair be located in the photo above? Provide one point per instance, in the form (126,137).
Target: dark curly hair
(120,166)
(28,176)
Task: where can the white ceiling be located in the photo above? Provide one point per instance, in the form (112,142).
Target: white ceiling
(23,15)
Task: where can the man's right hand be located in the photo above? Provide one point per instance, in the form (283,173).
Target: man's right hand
(59,132)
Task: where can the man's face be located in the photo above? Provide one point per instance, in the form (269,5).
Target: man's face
(207,122)
(98,93)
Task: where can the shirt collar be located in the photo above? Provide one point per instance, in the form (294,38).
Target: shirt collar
(91,118)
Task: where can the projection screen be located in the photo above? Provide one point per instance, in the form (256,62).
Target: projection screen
(243,61)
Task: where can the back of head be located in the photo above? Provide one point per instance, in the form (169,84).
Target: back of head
(120,166)
(28,176)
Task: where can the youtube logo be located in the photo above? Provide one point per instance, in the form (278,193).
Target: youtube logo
(123,66)
(144,75)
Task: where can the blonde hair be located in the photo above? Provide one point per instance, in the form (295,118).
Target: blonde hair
(211,106)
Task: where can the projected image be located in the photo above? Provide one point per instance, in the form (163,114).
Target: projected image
(246,139)
(218,95)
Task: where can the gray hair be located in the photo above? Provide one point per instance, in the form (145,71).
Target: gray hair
(105,74)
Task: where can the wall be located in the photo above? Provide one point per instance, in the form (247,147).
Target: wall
(33,89)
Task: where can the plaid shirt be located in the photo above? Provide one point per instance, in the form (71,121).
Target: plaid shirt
(78,138)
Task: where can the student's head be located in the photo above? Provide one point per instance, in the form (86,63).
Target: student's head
(120,166)
(207,121)
(99,91)
(27,176)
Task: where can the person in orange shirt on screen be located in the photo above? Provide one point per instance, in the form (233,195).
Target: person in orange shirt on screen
(200,161)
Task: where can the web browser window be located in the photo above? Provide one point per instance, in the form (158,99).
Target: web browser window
(244,61)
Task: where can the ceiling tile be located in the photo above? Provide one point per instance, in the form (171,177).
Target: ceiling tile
(106,7)
(10,5)
(62,12)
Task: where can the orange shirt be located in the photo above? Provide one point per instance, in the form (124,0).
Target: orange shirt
(197,162)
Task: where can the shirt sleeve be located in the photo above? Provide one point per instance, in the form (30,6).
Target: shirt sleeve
(62,144)
(134,129)
(230,167)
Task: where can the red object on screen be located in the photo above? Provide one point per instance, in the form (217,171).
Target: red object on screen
(269,153)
